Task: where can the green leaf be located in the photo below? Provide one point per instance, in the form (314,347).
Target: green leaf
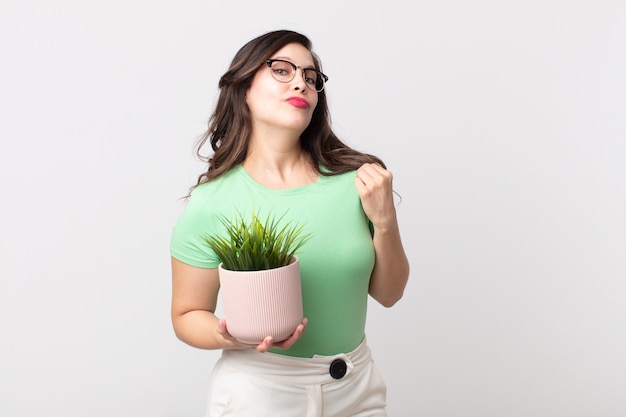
(258,244)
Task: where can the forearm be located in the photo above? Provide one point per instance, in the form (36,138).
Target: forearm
(198,328)
(391,270)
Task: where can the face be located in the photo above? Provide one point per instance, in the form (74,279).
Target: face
(285,105)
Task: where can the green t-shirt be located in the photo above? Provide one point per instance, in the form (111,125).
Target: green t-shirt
(335,264)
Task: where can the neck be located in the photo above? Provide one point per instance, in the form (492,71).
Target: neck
(280,169)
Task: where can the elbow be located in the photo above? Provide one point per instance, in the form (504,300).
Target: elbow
(178,326)
(389,303)
(389,300)
(388,295)
(387,285)
(176,329)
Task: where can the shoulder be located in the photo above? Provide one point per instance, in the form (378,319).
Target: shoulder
(338,186)
(341,178)
(217,185)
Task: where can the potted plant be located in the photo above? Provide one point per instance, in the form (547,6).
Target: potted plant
(260,276)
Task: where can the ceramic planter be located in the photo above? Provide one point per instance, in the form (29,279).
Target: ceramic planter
(264,303)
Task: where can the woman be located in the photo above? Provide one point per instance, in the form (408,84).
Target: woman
(273,147)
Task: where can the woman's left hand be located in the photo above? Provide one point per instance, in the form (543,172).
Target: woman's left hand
(375,186)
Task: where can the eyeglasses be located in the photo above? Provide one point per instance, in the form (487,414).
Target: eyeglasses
(285,71)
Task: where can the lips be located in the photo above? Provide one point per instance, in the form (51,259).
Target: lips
(298,102)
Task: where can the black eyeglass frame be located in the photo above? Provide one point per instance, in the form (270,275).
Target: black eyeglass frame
(323,76)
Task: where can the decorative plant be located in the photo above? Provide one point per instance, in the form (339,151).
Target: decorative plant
(258,244)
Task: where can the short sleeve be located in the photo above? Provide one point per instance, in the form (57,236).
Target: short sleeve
(187,242)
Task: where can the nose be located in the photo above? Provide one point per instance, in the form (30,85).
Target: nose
(299,82)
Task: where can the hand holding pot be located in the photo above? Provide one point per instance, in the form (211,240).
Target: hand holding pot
(268,342)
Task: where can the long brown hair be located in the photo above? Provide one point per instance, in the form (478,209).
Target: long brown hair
(230,124)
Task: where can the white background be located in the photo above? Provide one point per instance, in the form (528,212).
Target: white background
(504,126)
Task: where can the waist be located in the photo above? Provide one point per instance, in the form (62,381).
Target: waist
(289,369)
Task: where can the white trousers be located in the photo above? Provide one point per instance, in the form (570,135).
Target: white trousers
(246,383)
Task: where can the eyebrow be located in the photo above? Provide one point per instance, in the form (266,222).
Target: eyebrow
(312,66)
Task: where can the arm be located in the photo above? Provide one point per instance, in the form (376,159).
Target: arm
(391,270)
(194,299)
